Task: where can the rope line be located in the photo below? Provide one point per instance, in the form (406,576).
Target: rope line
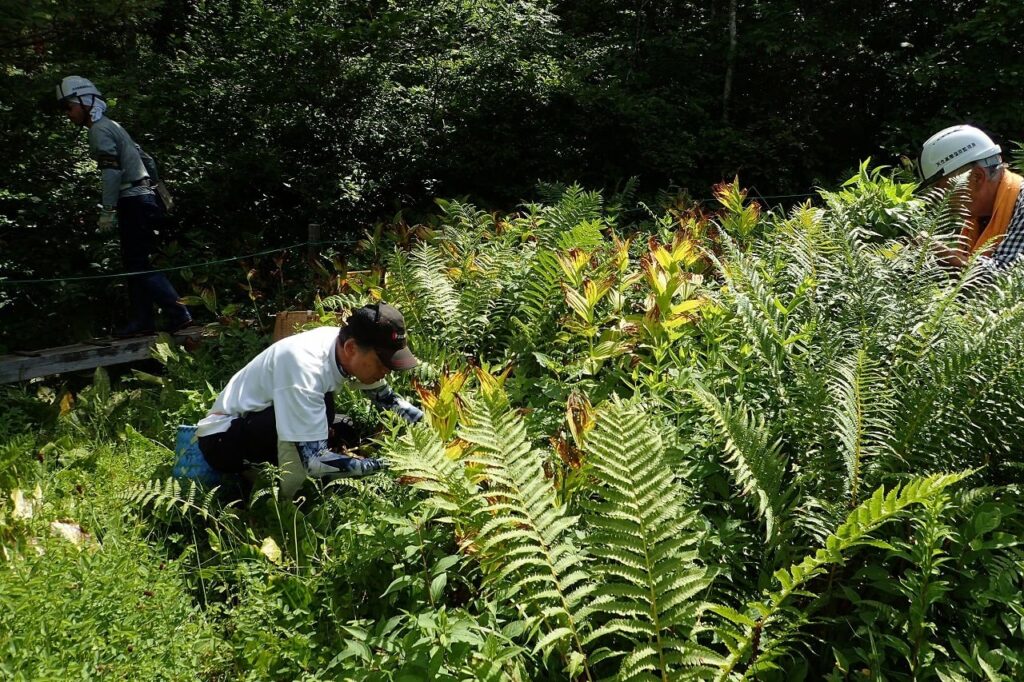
(752,193)
(803,195)
(173,268)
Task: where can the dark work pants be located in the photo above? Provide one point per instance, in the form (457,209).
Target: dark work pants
(252,439)
(137,217)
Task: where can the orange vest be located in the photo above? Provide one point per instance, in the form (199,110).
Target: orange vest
(989,238)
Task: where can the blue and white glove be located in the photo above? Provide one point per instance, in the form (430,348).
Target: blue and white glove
(321,462)
(340,466)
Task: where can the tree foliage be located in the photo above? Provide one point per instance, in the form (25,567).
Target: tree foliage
(267,116)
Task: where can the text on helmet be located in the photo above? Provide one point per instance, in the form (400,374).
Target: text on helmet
(958,152)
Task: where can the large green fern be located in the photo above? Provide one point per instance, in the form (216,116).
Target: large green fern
(526,540)
(172,495)
(432,283)
(863,414)
(758,463)
(651,584)
(420,458)
(756,638)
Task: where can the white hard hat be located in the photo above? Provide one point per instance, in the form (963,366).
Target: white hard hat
(949,150)
(76,86)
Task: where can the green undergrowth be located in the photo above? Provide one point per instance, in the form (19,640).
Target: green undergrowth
(738,445)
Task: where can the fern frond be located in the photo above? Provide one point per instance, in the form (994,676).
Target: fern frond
(927,334)
(880,508)
(337,302)
(748,643)
(575,207)
(809,245)
(757,308)
(643,536)
(479,296)
(466,218)
(943,383)
(921,584)
(420,457)
(429,272)
(863,413)
(540,303)
(401,288)
(757,462)
(525,541)
(185,497)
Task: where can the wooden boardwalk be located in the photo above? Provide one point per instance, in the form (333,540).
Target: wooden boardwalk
(24,365)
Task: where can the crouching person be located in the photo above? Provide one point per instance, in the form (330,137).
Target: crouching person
(279,408)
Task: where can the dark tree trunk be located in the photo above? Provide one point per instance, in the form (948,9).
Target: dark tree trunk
(730,61)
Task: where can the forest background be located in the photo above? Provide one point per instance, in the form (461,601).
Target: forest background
(266,116)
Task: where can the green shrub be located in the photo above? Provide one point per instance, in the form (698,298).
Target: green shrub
(115,608)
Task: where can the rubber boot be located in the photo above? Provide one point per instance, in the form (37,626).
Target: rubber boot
(293,473)
(141,321)
(162,293)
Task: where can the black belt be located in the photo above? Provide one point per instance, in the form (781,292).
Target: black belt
(142,182)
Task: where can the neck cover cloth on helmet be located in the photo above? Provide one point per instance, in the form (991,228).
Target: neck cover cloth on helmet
(98,107)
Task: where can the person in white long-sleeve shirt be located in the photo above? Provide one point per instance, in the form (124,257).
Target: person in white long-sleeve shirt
(279,407)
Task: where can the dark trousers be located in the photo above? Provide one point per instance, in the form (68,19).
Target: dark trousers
(137,218)
(252,439)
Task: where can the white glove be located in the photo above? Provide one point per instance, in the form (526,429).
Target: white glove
(107,221)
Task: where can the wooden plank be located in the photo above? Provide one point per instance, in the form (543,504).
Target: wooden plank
(98,342)
(79,356)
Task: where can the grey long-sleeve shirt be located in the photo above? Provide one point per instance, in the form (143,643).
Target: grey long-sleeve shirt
(119,160)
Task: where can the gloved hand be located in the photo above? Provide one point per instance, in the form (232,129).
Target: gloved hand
(107,221)
(370,465)
(327,464)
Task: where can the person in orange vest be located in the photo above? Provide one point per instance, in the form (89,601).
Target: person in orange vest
(994,197)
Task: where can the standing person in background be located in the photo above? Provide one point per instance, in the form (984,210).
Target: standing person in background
(994,194)
(129,204)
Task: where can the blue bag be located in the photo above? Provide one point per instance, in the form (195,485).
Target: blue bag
(189,462)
